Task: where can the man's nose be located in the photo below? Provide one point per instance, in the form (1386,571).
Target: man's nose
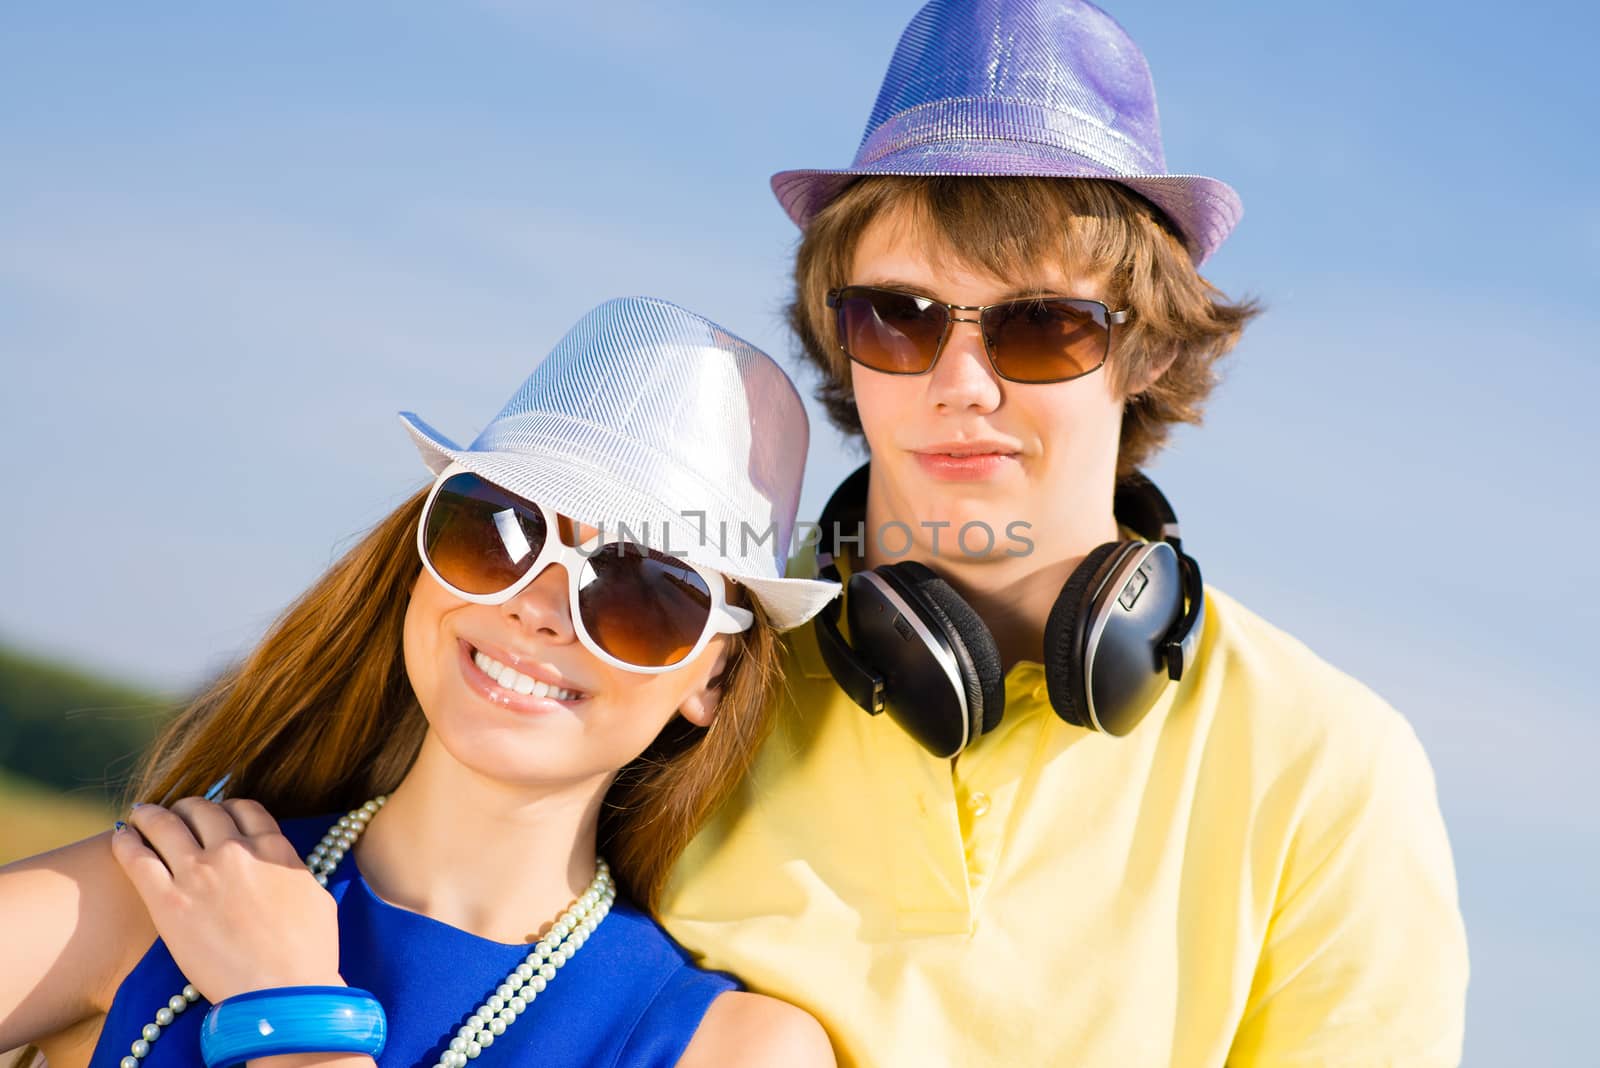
(963,378)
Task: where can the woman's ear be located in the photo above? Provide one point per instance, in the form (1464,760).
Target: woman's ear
(700,707)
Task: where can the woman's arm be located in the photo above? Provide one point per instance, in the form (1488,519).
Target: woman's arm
(235,905)
(755,1031)
(73,927)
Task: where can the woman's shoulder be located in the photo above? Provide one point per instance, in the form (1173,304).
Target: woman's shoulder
(653,958)
(696,1016)
(77,927)
(82,885)
(755,1030)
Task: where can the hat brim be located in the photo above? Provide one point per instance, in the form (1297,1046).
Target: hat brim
(567,485)
(1203,209)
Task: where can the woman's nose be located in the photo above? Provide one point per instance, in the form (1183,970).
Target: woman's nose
(541,607)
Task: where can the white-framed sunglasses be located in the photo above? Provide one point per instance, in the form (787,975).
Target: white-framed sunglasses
(631,606)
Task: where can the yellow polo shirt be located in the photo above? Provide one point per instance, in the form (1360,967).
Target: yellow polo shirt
(1257,875)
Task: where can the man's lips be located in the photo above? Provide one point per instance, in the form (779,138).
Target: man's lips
(965,461)
(965,449)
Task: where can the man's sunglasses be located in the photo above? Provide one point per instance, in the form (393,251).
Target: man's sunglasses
(1033,340)
(631,606)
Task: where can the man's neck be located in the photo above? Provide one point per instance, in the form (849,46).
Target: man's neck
(1013,598)
(1014,588)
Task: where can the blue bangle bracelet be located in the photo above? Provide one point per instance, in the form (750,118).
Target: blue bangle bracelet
(292,1019)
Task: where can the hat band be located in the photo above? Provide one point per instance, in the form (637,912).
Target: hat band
(957,119)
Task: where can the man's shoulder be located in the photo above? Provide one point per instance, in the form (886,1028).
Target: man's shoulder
(1252,652)
(1268,689)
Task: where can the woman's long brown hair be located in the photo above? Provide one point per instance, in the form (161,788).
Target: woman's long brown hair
(320,717)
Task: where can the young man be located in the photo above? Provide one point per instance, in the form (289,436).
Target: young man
(1255,872)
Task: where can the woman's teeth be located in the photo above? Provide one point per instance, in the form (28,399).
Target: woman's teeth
(511,679)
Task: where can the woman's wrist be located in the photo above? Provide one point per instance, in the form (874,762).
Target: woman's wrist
(327,1024)
(257,984)
(314,1060)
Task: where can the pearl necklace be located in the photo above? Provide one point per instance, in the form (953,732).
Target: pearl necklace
(500,1010)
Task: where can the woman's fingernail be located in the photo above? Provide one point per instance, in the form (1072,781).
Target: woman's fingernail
(119,825)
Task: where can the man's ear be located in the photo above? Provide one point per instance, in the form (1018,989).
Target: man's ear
(1149,376)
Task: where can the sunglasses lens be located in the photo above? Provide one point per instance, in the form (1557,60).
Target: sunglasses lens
(479,538)
(644,608)
(1047,340)
(891,332)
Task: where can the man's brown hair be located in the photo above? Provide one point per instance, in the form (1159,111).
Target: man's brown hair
(1180,325)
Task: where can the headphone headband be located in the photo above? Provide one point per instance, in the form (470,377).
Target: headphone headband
(848,503)
(857,678)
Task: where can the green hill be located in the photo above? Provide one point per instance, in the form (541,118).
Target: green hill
(68,742)
(71,730)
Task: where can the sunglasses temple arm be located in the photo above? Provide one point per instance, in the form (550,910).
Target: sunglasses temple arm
(734,620)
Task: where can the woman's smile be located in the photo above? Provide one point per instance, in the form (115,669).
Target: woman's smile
(526,690)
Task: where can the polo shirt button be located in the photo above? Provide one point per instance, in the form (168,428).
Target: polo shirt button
(978,803)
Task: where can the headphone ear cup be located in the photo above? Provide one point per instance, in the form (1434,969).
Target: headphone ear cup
(1064,634)
(969,638)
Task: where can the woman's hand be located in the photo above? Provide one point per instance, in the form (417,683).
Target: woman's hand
(236,907)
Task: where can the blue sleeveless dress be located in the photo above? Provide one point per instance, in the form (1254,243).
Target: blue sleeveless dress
(630,997)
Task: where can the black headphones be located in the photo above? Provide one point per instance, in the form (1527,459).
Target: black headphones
(1127,620)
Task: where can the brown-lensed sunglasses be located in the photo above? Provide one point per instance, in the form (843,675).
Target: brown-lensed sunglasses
(1033,340)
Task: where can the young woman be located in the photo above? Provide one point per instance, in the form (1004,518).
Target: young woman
(577,665)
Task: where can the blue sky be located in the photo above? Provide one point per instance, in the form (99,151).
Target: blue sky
(235,239)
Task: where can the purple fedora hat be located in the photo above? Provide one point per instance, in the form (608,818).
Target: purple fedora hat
(1046,88)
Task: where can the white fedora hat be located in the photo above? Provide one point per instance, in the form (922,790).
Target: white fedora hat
(655,424)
